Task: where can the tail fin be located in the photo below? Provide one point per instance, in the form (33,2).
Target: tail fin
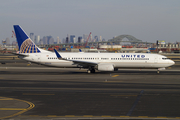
(26,45)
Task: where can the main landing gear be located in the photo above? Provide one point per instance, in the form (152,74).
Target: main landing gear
(91,70)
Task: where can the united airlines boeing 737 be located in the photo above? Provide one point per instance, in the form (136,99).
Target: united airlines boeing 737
(91,61)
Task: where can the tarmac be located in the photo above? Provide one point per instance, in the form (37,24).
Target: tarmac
(38,92)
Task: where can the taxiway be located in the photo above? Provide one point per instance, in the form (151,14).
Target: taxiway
(34,92)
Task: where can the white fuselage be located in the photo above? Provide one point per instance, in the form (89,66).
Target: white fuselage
(119,60)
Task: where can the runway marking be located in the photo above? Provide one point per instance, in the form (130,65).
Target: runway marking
(135,103)
(31,105)
(12,109)
(33,115)
(124,95)
(89,89)
(6,99)
(161,117)
(113,81)
(69,115)
(87,115)
(143,116)
(107,116)
(52,116)
(124,116)
(115,75)
(36,94)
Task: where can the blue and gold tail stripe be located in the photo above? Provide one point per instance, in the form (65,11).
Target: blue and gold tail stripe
(29,47)
(24,47)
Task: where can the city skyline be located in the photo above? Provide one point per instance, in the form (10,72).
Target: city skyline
(48,39)
(146,20)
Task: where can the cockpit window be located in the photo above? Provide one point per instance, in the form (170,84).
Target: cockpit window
(165,58)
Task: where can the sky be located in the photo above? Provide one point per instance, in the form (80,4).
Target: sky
(147,20)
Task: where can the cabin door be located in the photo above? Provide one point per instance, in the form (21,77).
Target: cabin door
(156,59)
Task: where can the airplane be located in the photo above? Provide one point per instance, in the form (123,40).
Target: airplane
(91,61)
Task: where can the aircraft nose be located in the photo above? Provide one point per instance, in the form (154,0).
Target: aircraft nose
(171,62)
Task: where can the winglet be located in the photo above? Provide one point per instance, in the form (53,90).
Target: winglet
(57,54)
(80,50)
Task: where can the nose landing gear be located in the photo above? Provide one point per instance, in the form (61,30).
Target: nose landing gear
(158,71)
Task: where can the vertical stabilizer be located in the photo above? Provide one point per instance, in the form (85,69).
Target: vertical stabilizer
(26,45)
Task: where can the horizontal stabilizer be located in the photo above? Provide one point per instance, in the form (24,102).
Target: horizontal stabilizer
(20,54)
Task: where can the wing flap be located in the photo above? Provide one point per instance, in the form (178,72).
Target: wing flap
(83,62)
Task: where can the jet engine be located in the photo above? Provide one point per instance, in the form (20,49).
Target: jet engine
(105,67)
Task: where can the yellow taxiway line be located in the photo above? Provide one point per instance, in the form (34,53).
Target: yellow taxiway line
(22,110)
(115,75)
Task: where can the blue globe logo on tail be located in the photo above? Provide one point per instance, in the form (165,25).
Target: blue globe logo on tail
(26,45)
(29,47)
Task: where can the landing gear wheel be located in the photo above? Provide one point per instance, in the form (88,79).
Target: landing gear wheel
(93,71)
(88,71)
(115,69)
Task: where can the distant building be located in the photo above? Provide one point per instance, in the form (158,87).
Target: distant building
(41,42)
(45,40)
(72,38)
(50,40)
(32,36)
(79,39)
(95,38)
(67,40)
(37,39)
(8,42)
(91,38)
(82,40)
(100,39)
(64,40)
(14,43)
(58,40)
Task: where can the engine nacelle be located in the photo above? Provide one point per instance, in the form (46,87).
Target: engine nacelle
(105,67)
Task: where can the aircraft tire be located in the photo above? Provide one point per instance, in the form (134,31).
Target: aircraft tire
(93,71)
(88,71)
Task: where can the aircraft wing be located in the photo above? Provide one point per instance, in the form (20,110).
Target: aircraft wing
(83,62)
(79,62)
